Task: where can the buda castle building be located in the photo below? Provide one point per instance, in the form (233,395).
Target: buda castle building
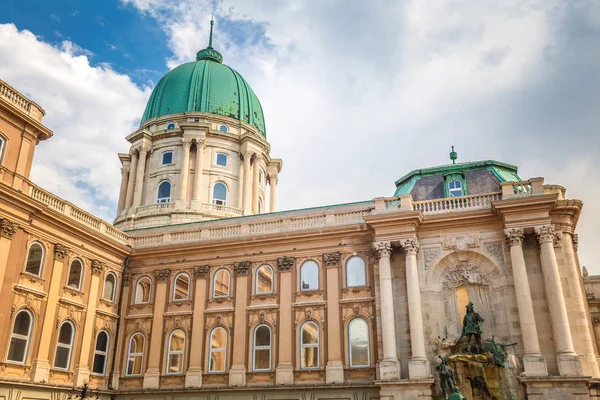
(201,289)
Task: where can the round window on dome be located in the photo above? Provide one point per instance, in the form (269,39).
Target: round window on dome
(224,128)
(171,125)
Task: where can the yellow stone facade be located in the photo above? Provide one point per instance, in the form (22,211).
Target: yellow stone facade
(347,301)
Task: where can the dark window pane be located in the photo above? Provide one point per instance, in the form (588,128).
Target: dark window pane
(74,275)
(34,259)
(263,336)
(62,357)
(22,324)
(65,334)
(99,361)
(167,158)
(262,359)
(16,351)
(102,341)
(310,357)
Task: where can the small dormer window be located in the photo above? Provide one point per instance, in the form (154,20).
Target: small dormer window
(455,188)
(170,125)
(224,128)
(167,158)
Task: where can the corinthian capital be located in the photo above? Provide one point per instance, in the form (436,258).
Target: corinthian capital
(162,275)
(575,241)
(97,267)
(272,178)
(186,141)
(410,246)
(60,252)
(7,228)
(546,234)
(514,236)
(242,267)
(332,259)
(382,249)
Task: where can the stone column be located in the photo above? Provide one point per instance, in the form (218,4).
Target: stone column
(131,179)
(334,371)
(139,178)
(240,186)
(41,365)
(284,373)
(255,183)
(121,339)
(568,361)
(200,145)
(389,366)
(152,375)
(123,188)
(185,169)
(7,230)
(418,366)
(82,373)
(273,192)
(193,376)
(247,184)
(533,361)
(237,372)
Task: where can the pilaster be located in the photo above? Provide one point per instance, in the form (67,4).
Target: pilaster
(273,192)
(193,376)
(131,179)
(7,230)
(152,375)
(119,361)
(139,177)
(247,184)
(334,370)
(200,145)
(237,372)
(185,168)
(284,373)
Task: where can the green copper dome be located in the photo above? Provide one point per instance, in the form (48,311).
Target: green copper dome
(209,86)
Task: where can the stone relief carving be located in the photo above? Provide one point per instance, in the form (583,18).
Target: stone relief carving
(331,259)
(97,267)
(495,249)
(162,275)
(460,242)
(430,255)
(201,271)
(7,228)
(285,263)
(60,252)
(242,267)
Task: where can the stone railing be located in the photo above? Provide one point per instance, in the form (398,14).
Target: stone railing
(461,203)
(530,187)
(13,96)
(69,210)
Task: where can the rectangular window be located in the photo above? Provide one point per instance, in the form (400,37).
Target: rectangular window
(222,159)
(455,189)
(167,158)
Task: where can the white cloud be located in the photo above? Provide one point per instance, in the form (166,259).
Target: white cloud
(90,109)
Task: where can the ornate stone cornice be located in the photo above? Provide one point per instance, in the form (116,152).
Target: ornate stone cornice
(331,259)
(7,228)
(514,236)
(162,275)
(126,278)
(241,267)
(410,246)
(382,249)
(201,271)
(285,263)
(60,252)
(460,242)
(546,234)
(97,267)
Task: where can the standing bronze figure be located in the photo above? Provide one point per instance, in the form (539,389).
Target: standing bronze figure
(447,379)
(472,327)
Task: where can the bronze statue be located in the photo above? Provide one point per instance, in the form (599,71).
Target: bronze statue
(456,395)
(497,349)
(447,379)
(471,327)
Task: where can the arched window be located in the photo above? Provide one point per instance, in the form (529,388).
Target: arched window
(218,350)
(75,274)
(110,283)
(309,276)
(221,283)
(220,194)
(175,351)
(20,336)
(171,125)
(100,353)
(263,280)
(222,159)
(355,272)
(163,194)
(135,355)
(262,348)
(309,345)
(358,341)
(181,287)
(64,345)
(142,290)
(2,147)
(35,259)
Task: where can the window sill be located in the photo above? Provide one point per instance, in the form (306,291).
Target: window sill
(32,277)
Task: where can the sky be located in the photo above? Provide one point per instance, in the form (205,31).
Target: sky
(355,93)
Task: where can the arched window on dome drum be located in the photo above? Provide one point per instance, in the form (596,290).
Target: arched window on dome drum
(175,352)
(142,290)
(135,355)
(181,287)
(309,276)
(64,345)
(75,274)
(163,194)
(219,194)
(261,360)
(100,353)
(221,283)
(110,283)
(309,345)
(35,259)
(263,280)
(20,337)
(358,343)
(218,350)
(355,272)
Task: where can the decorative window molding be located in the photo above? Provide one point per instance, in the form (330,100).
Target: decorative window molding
(135,355)
(181,287)
(143,290)
(309,345)
(20,337)
(64,346)
(309,276)
(166,158)
(217,354)
(262,348)
(221,283)
(101,353)
(175,353)
(359,343)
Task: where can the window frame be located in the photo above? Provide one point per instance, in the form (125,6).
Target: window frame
(262,347)
(310,345)
(42,260)
(27,339)
(162,157)
(217,350)
(226,128)
(160,200)
(450,190)
(63,345)
(350,344)
(168,124)
(102,353)
(76,259)
(136,290)
(180,274)
(212,194)
(364,266)
(137,354)
(175,352)
(3,145)
(220,153)
(318,276)
(228,284)
(114,290)
(256,292)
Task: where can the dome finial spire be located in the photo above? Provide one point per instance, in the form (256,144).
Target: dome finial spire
(212,22)
(209,53)
(453,155)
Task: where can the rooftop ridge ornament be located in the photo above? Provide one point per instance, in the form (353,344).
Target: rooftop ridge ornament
(209,53)
(453,155)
